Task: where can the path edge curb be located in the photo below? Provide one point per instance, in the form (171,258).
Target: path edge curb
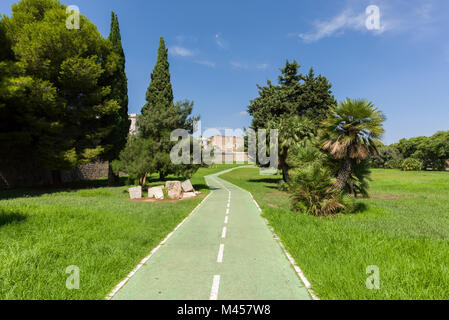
(290,258)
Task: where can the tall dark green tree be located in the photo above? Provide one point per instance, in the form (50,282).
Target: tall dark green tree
(295,97)
(55,89)
(160,115)
(117,138)
(296,94)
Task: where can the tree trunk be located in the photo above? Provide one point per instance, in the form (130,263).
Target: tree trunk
(284,165)
(143,180)
(113,179)
(343,175)
(285,172)
(161,176)
(56,177)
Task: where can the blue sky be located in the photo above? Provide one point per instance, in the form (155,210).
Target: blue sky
(220,50)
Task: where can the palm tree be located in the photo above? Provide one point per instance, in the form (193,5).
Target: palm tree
(350,134)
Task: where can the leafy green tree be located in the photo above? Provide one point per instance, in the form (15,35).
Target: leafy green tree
(296,107)
(136,160)
(432,151)
(349,134)
(386,154)
(160,115)
(296,94)
(408,147)
(56,88)
(119,92)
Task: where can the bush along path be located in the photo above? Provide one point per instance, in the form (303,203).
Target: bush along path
(223,251)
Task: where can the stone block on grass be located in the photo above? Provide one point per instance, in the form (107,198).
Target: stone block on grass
(187,186)
(174,189)
(156,193)
(135,193)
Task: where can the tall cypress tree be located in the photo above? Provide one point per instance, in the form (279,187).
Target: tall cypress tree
(160,91)
(160,115)
(119,92)
(159,97)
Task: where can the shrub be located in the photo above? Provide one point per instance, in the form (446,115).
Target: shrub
(136,159)
(411,164)
(311,182)
(310,189)
(393,164)
(385,156)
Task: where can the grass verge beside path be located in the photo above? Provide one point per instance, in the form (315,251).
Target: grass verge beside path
(403,229)
(99,230)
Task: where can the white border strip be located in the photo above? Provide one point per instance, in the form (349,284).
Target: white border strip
(298,270)
(145,260)
(292,261)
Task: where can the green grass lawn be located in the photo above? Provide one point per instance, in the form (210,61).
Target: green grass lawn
(403,229)
(43,231)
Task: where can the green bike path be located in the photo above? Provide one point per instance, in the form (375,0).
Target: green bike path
(224,251)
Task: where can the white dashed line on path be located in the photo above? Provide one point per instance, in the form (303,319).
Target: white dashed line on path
(215,287)
(223,234)
(220,254)
(226,219)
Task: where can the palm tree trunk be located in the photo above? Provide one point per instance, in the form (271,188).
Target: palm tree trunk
(343,175)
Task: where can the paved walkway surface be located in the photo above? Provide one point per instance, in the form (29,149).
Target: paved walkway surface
(224,251)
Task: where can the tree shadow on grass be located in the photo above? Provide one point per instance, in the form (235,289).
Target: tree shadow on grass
(266,180)
(10,217)
(203,187)
(359,208)
(66,187)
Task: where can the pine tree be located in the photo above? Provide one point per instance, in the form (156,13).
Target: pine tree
(55,98)
(160,91)
(119,92)
(160,115)
(307,97)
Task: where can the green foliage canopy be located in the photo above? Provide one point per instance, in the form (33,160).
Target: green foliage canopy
(54,91)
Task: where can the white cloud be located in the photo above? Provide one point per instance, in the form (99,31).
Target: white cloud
(244,113)
(396,17)
(246,66)
(181,51)
(184,38)
(221,42)
(346,20)
(238,65)
(262,66)
(206,63)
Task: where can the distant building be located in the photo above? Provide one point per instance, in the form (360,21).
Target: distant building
(133,127)
(228,149)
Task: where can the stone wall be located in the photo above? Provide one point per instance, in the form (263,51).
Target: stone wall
(88,171)
(27,175)
(34,176)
